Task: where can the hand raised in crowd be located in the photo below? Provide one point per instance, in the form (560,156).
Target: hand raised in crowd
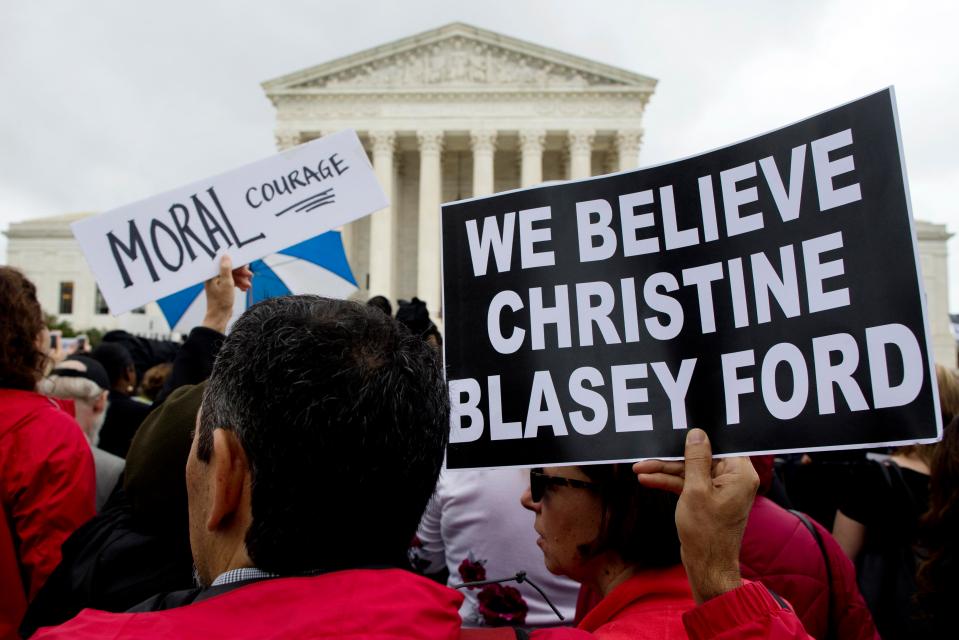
(52,341)
(220,292)
(714,503)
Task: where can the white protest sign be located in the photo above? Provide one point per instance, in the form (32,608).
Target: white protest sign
(155,247)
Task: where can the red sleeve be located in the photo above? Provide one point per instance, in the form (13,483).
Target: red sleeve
(747,612)
(561,633)
(51,489)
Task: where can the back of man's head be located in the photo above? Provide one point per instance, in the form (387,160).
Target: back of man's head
(83,380)
(115,358)
(343,416)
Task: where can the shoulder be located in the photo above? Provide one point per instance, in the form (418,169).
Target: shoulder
(25,407)
(649,604)
(128,404)
(38,423)
(91,624)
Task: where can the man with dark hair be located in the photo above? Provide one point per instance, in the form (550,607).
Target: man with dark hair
(373,425)
(319,442)
(318,445)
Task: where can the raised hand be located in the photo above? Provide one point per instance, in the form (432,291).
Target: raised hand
(220,292)
(714,503)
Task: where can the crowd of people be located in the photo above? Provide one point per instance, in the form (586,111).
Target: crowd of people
(286,479)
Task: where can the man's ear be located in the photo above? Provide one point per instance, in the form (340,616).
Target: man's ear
(229,471)
(100,404)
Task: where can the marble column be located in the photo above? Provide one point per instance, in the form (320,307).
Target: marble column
(627,144)
(531,146)
(581,153)
(383,222)
(428,240)
(484,149)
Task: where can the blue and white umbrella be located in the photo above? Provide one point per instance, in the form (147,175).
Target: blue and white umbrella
(317,266)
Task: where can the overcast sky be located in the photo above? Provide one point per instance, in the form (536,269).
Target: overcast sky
(104,103)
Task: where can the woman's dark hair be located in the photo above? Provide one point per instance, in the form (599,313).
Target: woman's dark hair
(638,523)
(21,320)
(939,528)
(382,303)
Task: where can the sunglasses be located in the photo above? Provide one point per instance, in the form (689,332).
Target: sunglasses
(538,481)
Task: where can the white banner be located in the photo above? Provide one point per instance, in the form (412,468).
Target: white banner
(155,247)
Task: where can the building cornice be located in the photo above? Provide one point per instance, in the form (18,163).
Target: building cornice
(549,65)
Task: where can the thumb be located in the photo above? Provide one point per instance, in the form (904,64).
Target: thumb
(226,267)
(699,460)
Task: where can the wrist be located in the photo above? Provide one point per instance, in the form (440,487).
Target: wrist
(216,321)
(711,574)
(714,584)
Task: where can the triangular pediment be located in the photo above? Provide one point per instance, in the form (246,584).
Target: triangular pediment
(458,56)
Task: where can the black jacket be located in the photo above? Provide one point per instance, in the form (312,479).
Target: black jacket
(110,563)
(192,365)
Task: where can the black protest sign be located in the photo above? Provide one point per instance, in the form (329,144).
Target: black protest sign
(767,292)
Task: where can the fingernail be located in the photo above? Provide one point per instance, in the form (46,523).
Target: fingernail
(696,436)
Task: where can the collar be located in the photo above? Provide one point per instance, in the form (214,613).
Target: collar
(242,575)
(252,573)
(645,586)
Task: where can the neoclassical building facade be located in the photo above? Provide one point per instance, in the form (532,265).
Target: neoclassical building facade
(445,115)
(452,113)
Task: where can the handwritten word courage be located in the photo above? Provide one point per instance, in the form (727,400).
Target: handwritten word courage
(326,168)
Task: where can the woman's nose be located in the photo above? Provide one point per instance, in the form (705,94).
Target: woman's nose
(527,501)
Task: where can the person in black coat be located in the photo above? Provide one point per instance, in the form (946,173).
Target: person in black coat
(124,414)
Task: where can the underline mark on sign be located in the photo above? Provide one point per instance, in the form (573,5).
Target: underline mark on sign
(313,202)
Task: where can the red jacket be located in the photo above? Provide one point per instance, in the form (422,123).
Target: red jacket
(47,488)
(362,603)
(388,603)
(648,605)
(779,551)
(747,613)
(657,604)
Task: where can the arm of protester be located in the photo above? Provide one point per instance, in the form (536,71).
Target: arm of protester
(56,351)
(711,515)
(220,292)
(747,612)
(194,360)
(849,533)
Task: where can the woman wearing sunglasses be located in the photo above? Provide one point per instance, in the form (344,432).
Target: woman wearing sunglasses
(600,527)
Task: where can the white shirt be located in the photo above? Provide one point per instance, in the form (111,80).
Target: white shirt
(476,514)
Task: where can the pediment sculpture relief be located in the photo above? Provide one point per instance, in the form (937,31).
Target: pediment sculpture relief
(459,61)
